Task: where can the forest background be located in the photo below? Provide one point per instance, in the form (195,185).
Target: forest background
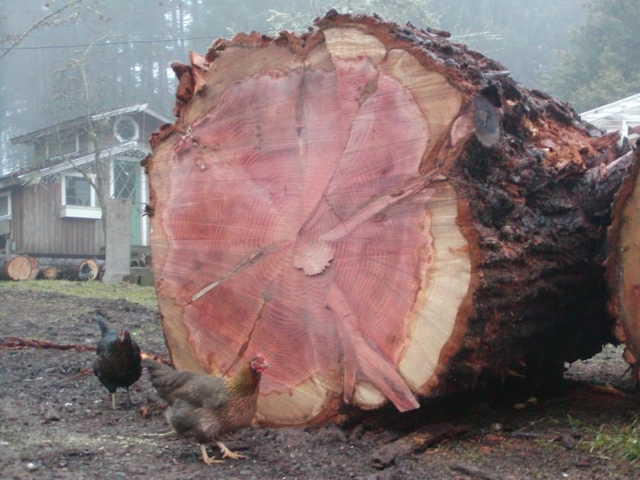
(68,58)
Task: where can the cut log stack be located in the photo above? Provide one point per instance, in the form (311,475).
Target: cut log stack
(82,269)
(384,214)
(24,267)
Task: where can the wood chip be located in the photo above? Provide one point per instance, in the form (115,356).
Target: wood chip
(474,472)
(414,442)
(568,441)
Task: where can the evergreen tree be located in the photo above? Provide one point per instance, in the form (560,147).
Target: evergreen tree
(605,66)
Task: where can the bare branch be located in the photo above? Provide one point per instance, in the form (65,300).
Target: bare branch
(40,23)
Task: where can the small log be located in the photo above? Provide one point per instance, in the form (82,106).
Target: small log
(414,442)
(16,267)
(82,269)
(48,272)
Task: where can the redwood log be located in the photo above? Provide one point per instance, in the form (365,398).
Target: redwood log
(385,215)
(623,266)
(82,269)
(18,267)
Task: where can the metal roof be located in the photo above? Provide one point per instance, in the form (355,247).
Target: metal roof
(29,175)
(621,115)
(142,107)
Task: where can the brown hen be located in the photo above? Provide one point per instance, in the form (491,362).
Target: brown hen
(205,408)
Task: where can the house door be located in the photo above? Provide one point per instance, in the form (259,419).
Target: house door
(126,184)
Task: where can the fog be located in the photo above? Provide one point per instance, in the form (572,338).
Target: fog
(62,59)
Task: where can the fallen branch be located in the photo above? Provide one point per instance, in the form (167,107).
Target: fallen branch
(414,442)
(566,438)
(608,390)
(550,437)
(15,343)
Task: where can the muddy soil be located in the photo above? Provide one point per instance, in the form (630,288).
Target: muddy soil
(56,420)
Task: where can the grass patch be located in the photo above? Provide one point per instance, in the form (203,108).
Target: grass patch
(615,441)
(145,296)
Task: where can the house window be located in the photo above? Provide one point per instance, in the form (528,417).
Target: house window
(5,205)
(62,145)
(78,192)
(79,197)
(126,129)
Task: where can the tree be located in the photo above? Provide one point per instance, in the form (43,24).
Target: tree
(82,90)
(522,35)
(604,65)
(58,16)
(20,102)
(400,11)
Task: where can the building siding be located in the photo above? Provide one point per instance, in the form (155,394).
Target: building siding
(36,225)
(44,232)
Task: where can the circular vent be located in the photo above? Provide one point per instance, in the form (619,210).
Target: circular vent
(126,129)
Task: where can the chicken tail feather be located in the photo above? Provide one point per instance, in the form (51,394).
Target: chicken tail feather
(102,323)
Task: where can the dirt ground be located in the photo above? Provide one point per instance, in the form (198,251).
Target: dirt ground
(56,420)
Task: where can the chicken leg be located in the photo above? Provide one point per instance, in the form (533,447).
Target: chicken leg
(113,401)
(226,453)
(205,456)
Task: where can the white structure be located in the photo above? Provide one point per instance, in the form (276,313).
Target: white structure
(622,115)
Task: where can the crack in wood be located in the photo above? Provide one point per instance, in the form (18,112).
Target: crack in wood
(363,361)
(375,207)
(300,102)
(243,348)
(315,255)
(251,259)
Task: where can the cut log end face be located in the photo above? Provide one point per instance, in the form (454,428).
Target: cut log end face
(294,218)
(19,267)
(624,266)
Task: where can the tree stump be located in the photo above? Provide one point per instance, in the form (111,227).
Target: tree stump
(383,214)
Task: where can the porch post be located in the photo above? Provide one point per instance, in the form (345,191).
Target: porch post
(118,238)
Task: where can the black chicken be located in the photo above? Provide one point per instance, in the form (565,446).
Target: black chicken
(118,362)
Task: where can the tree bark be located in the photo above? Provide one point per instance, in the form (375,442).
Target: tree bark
(383,214)
(623,267)
(18,267)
